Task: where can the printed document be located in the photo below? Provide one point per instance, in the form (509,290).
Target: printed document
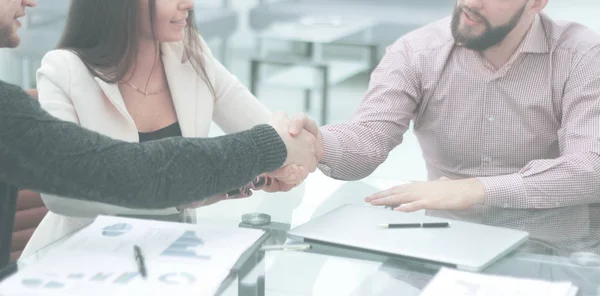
(451,282)
(181,259)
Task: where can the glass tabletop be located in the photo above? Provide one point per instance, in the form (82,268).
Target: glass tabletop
(333,270)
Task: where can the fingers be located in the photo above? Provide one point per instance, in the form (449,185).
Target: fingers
(394,196)
(309,151)
(302,121)
(382,194)
(411,207)
(392,200)
(286,178)
(298,123)
(283,187)
(289,174)
(277,186)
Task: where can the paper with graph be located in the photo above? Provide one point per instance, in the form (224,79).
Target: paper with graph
(186,259)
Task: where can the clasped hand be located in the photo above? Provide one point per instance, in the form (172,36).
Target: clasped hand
(304,145)
(304,150)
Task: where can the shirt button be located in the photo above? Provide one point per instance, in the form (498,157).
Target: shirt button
(491,118)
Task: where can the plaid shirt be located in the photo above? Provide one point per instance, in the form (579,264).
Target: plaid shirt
(529,131)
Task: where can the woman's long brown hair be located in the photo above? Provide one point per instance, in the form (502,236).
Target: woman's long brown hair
(103,33)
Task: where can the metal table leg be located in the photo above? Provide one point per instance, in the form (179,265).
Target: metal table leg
(325,96)
(251,278)
(254,73)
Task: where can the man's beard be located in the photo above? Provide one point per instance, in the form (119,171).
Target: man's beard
(490,37)
(8,37)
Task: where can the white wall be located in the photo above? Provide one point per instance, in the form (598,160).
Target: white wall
(585,12)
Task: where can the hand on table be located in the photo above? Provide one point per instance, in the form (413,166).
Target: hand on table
(442,194)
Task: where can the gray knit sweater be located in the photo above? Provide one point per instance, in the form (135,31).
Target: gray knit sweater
(42,153)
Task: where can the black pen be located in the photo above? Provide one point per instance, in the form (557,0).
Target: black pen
(415,225)
(139,258)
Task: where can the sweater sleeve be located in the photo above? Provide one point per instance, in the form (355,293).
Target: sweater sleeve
(43,153)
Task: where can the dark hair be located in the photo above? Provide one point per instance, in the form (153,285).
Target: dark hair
(103,33)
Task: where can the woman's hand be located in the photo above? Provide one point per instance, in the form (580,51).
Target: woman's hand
(259,183)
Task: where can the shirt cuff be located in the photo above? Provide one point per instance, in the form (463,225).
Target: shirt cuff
(332,149)
(506,191)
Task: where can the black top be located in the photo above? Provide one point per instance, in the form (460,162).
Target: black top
(170,131)
(48,155)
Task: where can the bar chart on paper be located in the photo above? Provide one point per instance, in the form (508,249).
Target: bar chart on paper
(188,245)
(180,258)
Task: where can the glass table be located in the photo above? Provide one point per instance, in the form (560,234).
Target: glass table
(333,270)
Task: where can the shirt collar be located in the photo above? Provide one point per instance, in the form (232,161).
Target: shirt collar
(536,41)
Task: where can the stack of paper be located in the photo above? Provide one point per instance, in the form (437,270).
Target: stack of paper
(184,259)
(451,282)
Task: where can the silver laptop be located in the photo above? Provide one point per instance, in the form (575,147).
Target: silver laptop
(466,246)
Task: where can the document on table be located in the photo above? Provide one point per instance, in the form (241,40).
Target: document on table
(451,282)
(186,259)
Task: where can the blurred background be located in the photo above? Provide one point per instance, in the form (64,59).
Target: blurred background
(311,56)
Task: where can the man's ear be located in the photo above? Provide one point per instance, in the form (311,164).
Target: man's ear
(538,5)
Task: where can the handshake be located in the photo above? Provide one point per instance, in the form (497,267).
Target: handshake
(304,150)
(304,145)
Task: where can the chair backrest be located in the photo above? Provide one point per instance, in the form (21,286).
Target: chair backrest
(30,212)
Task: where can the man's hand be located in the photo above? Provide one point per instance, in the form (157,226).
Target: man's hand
(301,150)
(302,122)
(443,194)
(289,176)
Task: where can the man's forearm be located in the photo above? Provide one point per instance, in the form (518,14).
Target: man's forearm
(353,152)
(567,181)
(40,152)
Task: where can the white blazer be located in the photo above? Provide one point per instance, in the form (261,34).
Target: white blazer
(70,92)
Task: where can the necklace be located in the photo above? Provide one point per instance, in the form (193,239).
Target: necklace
(144,92)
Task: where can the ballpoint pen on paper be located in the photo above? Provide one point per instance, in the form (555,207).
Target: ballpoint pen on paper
(139,258)
(415,225)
